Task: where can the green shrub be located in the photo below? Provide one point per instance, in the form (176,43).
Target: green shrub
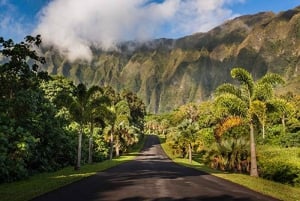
(280,164)
(276,135)
(229,155)
(291,140)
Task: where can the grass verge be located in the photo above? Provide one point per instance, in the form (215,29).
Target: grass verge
(46,182)
(270,188)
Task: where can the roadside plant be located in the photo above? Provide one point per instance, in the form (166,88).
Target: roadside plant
(246,101)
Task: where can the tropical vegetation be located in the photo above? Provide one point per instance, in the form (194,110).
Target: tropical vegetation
(48,122)
(42,183)
(264,186)
(244,128)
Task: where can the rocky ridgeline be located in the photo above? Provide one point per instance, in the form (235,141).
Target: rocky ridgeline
(167,73)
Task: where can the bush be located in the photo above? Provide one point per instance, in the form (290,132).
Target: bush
(276,135)
(291,140)
(280,164)
(229,155)
(101,148)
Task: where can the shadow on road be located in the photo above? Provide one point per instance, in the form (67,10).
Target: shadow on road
(152,176)
(202,198)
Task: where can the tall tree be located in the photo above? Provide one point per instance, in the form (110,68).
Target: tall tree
(188,132)
(189,127)
(281,108)
(137,109)
(97,113)
(81,107)
(32,138)
(245,101)
(119,127)
(17,75)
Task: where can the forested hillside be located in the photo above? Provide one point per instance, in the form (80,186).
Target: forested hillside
(167,73)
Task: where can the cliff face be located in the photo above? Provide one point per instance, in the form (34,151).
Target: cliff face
(167,73)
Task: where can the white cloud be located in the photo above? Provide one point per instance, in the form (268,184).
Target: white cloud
(74,25)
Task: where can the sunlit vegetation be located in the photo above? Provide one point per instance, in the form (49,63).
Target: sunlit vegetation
(48,123)
(41,183)
(245,128)
(267,187)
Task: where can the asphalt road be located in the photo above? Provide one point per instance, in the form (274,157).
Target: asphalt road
(152,176)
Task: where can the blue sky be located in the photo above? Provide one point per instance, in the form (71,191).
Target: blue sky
(24,14)
(70,24)
(254,6)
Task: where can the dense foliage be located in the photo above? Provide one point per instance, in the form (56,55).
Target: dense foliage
(280,164)
(47,122)
(216,132)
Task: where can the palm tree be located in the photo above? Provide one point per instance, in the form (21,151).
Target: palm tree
(259,109)
(246,101)
(163,127)
(119,125)
(137,109)
(81,107)
(187,117)
(188,130)
(97,113)
(152,126)
(282,108)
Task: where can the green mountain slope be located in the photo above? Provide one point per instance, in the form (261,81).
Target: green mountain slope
(167,73)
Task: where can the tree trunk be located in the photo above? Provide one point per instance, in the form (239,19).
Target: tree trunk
(253,168)
(283,123)
(77,167)
(117,148)
(111,146)
(90,160)
(263,130)
(190,153)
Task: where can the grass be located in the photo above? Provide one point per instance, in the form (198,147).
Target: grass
(270,188)
(46,182)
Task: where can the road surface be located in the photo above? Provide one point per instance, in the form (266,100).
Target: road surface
(152,176)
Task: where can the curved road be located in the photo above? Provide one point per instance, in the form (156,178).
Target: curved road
(152,176)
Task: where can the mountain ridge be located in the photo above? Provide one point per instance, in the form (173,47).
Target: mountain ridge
(166,73)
